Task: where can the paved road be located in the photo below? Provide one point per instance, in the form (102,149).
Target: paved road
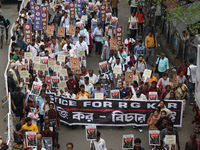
(112,135)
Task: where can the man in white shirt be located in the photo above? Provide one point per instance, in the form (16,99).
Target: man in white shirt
(33,47)
(19,62)
(88,86)
(67,44)
(112,60)
(55,46)
(191,79)
(82,45)
(92,77)
(70,94)
(64,20)
(98,144)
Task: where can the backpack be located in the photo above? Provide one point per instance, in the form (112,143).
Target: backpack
(121,66)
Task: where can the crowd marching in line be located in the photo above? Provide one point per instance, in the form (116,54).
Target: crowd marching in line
(123,59)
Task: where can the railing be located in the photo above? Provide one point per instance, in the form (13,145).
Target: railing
(7,98)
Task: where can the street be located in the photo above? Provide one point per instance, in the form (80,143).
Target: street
(112,135)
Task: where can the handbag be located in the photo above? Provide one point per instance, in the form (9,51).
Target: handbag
(156,71)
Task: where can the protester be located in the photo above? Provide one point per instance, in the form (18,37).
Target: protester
(140,65)
(191,144)
(98,144)
(29,125)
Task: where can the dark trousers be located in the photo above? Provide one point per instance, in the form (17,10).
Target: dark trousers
(115,12)
(19,4)
(41,119)
(140,29)
(6,30)
(98,47)
(160,74)
(133,33)
(19,112)
(191,87)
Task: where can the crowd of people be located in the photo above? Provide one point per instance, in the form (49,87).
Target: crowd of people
(131,56)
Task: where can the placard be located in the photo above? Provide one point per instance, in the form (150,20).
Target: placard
(48,141)
(80,25)
(81,53)
(103,13)
(67,29)
(108,17)
(61,58)
(72,10)
(75,64)
(117,70)
(36,59)
(50,30)
(28,55)
(72,29)
(136,78)
(133,24)
(129,77)
(61,31)
(28,33)
(63,72)
(91,132)
(103,67)
(43,67)
(36,88)
(128,141)
(24,74)
(119,34)
(98,96)
(170,139)
(175,80)
(147,73)
(31,139)
(114,21)
(154,137)
(57,68)
(55,81)
(44,60)
(153,96)
(36,67)
(52,5)
(79,8)
(85,17)
(91,7)
(48,79)
(21,67)
(52,62)
(113,44)
(62,85)
(115,94)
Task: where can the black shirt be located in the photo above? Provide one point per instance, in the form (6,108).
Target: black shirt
(11,84)
(18,99)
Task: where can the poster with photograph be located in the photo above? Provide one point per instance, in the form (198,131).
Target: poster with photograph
(72,29)
(103,67)
(133,24)
(113,44)
(21,67)
(75,64)
(91,7)
(50,30)
(48,79)
(55,81)
(108,17)
(91,132)
(114,21)
(36,87)
(48,142)
(129,77)
(66,4)
(154,137)
(115,94)
(44,60)
(61,31)
(31,139)
(153,96)
(128,141)
(80,25)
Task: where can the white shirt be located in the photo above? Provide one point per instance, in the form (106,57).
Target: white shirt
(55,48)
(82,46)
(101,145)
(65,23)
(70,96)
(128,59)
(34,49)
(65,47)
(133,3)
(92,79)
(18,63)
(191,71)
(128,41)
(112,60)
(142,97)
(120,65)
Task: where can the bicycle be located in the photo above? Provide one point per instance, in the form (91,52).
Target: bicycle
(1,35)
